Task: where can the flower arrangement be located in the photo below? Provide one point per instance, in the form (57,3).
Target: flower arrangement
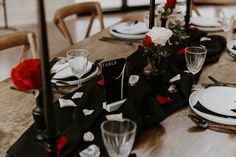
(27,75)
(155,43)
(165,10)
(154,46)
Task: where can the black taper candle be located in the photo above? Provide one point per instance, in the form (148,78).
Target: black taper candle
(50,131)
(187,16)
(151,13)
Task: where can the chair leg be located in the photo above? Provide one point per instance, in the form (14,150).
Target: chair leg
(90,25)
(196,10)
(64,30)
(24,53)
(33,47)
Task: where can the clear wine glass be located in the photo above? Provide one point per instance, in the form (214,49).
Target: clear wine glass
(118,136)
(78,61)
(226,19)
(195,57)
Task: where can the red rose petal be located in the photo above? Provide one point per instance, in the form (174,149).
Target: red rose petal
(163,100)
(100,82)
(62,142)
(181,51)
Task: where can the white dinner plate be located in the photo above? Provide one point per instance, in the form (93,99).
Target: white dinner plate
(209,29)
(75,82)
(205,21)
(129,31)
(65,70)
(230,45)
(194,98)
(219,100)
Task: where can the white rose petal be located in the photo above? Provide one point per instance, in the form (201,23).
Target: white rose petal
(160,35)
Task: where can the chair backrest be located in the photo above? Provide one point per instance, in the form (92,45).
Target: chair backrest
(26,39)
(222,2)
(75,9)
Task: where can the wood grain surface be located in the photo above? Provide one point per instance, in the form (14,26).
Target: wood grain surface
(177,136)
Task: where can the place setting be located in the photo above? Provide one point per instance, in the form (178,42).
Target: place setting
(67,73)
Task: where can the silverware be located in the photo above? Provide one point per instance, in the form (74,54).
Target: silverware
(221,83)
(128,41)
(97,61)
(17,89)
(202,123)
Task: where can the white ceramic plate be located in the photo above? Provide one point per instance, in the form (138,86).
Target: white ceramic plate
(129,31)
(205,21)
(75,82)
(209,29)
(66,71)
(194,98)
(219,100)
(230,45)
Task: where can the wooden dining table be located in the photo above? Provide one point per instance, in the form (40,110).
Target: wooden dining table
(176,136)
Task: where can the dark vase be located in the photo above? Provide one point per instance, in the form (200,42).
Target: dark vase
(38,116)
(163,22)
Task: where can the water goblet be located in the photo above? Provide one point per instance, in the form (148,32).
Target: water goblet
(78,60)
(226,19)
(195,57)
(118,136)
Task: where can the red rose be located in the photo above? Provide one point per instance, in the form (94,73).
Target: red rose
(171,4)
(147,41)
(27,75)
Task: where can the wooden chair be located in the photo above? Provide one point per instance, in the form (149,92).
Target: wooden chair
(21,38)
(216,2)
(76,9)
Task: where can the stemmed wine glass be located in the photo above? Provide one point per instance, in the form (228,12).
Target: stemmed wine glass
(118,136)
(195,57)
(226,19)
(78,61)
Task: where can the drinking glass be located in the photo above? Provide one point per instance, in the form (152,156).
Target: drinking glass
(78,60)
(118,136)
(226,19)
(195,57)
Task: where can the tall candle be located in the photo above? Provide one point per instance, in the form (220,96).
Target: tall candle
(50,132)
(187,16)
(151,13)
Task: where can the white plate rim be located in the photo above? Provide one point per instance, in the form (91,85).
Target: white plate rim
(209,29)
(212,107)
(221,120)
(126,36)
(206,25)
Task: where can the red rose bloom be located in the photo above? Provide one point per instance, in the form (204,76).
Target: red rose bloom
(27,75)
(171,4)
(147,41)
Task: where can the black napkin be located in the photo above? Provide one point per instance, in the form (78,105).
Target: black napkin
(203,109)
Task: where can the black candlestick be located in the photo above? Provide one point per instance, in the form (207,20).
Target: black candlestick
(151,13)
(187,16)
(50,131)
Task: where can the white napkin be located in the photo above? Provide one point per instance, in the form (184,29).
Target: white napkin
(64,71)
(131,28)
(66,103)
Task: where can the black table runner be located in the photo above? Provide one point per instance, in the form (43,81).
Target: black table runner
(141,106)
